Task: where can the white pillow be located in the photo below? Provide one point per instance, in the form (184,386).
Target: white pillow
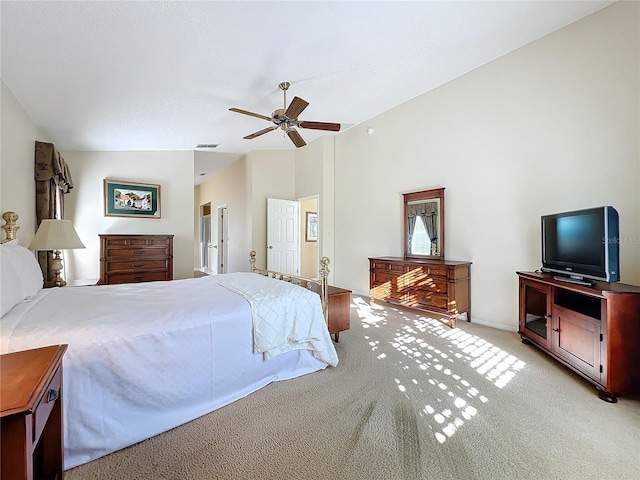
(20,275)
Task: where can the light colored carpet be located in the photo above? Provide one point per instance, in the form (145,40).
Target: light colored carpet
(411,399)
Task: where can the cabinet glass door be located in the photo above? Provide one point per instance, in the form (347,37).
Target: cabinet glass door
(534,310)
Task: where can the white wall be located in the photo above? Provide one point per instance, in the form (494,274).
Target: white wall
(173,171)
(17,185)
(550,127)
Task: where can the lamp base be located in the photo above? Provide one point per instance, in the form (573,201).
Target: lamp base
(56,267)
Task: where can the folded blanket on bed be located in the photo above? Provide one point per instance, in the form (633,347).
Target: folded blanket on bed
(285,317)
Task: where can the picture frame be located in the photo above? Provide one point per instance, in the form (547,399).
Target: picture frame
(311,227)
(131,199)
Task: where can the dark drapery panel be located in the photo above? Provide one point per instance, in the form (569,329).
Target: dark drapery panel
(53,180)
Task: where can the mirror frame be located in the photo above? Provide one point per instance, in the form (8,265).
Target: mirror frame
(424,195)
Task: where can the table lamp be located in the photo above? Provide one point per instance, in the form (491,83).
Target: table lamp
(56,235)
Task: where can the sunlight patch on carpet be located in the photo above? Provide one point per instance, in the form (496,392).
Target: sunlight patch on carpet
(436,370)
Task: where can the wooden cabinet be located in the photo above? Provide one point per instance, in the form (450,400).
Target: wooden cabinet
(135,258)
(31,398)
(595,331)
(339,306)
(438,286)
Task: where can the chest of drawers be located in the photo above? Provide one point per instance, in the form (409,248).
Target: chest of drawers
(135,258)
(439,286)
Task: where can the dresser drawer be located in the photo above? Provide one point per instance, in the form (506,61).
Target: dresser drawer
(437,271)
(139,265)
(424,299)
(137,277)
(140,252)
(431,285)
(380,278)
(43,409)
(387,292)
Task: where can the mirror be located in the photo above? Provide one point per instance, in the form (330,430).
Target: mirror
(424,224)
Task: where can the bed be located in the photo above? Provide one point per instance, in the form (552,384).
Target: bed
(145,358)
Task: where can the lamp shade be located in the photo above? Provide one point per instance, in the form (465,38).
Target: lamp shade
(56,235)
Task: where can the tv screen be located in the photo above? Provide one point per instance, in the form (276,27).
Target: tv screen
(582,245)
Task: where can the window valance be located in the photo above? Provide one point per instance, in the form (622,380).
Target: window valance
(49,165)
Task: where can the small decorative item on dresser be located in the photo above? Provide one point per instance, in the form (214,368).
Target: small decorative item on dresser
(130,199)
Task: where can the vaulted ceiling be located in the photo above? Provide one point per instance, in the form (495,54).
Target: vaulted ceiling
(140,75)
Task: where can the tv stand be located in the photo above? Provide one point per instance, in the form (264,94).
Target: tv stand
(577,281)
(592,329)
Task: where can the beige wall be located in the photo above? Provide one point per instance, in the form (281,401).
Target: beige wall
(550,127)
(315,176)
(172,170)
(17,186)
(272,175)
(229,188)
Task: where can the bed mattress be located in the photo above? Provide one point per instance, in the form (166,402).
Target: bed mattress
(145,358)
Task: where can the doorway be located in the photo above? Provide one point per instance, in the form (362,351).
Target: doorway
(222,248)
(293,236)
(205,237)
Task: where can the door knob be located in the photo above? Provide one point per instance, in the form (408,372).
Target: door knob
(270,246)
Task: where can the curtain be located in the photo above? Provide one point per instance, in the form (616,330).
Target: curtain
(428,212)
(53,180)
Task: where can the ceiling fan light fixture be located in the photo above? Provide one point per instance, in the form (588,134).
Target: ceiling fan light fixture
(287,117)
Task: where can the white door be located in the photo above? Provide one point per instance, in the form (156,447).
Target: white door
(222,245)
(282,235)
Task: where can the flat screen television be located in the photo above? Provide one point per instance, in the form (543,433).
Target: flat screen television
(582,246)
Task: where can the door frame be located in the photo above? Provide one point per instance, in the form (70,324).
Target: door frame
(222,240)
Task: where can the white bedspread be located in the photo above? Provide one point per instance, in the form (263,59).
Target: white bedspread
(145,358)
(286,317)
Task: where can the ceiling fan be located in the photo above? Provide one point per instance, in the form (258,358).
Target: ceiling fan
(286,118)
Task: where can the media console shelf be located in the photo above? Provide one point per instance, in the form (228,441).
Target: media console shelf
(593,330)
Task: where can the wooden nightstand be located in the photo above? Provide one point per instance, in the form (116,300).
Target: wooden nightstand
(339,300)
(31,414)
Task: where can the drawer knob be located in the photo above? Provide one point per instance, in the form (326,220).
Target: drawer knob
(138,265)
(138,278)
(138,252)
(53,395)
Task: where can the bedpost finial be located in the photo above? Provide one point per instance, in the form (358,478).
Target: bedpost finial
(252,260)
(324,266)
(10,227)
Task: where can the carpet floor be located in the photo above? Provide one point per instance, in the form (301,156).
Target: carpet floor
(410,399)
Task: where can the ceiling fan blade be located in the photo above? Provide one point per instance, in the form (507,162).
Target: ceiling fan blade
(333,127)
(261,132)
(296,138)
(245,112)
(296,107)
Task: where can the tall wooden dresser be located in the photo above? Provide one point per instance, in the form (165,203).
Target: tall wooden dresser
(439,286)
(135,258)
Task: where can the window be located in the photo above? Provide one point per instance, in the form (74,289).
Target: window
(420,241)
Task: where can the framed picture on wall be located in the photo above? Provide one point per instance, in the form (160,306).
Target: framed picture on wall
(131,199)
(311,230)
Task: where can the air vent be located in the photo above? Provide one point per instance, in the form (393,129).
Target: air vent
(207,145)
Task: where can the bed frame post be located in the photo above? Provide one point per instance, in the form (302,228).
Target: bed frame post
(324,282)
(10,227)
(252,260)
